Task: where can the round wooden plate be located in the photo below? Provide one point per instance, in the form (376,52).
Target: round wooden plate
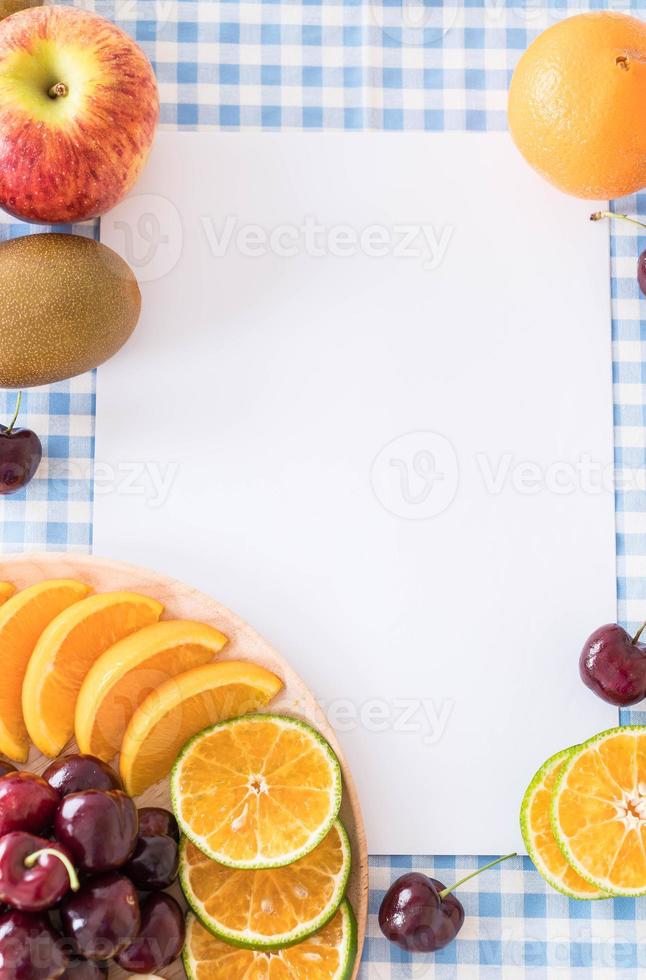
(182,602)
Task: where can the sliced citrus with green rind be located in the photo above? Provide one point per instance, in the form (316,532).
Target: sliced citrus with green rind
(258,791)
(599,810)
(269,908)
(327,955)
(536,828)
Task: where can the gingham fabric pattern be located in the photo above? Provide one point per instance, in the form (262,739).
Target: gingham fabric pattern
(362,65)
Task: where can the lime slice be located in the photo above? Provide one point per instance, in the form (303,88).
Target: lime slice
(536,828)
(258,791)
(267,909)
(327,955)
(599,810)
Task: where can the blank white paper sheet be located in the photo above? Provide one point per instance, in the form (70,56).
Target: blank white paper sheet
(368,406)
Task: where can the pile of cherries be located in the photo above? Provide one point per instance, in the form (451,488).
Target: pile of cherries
(82,873)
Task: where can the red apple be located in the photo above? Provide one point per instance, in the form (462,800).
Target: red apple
(78,110)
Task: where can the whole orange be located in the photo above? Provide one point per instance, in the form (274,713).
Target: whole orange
(577,105)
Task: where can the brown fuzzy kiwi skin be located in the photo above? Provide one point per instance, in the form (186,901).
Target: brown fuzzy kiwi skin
(67,304)
(8,7)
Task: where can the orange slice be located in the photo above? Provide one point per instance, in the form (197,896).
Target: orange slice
(183,706)
(599,810)
(268,909)
(536,827)
(121,679)
(65,652)
(257,792)
(327,955)
(6,591)
(23,617)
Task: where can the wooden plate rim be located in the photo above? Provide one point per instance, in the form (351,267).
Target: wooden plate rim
(107,574)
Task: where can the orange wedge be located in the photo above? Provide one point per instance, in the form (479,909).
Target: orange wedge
(183,706)
(599,810)
(121,679)
(65,652)
(6,591)
(23,617)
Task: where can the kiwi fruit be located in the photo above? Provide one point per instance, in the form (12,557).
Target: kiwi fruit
(8,7)
(67,304)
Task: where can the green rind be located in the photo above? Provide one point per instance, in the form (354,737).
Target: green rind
(314,841)
(186,956)
(561,840)
(285,939)
(347,966)
(348,955)
(555,760)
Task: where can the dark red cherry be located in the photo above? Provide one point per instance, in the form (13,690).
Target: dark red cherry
(34,873)
(416,918)
(420,915)
(641,271)
(29,948)
(103,918)
(98,829)
(613,665)
(27,803)
(160,939)
(155,822)
(154,863)
(641,261)
(20,454)
(76,773)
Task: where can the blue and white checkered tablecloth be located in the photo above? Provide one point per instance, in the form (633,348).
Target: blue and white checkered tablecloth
(396,65)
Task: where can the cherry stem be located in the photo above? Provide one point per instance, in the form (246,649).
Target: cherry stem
(59,89)
(598,215)
(447,891)
(638,633)
(9,430)
(31,859)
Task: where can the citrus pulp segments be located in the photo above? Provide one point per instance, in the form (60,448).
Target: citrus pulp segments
(244,827)
(23,618)
(184,706)
(119,681)
(221,897)
(599,810)
(536,828)
(7,589)
(64,653)
(327,955)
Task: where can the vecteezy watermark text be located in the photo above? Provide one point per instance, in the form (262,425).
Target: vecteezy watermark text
(150,234)
(418,475)
(426,718)
(423,242)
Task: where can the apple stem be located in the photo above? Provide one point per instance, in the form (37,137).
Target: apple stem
(9,429)
(598,215)
(638,633)
(447,891)
(31,859)
(59,89)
